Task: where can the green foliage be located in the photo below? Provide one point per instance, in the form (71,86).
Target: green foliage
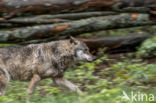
(148,48)
(7,45)
(102,83)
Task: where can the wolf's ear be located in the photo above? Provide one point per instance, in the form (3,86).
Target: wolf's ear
(73,40)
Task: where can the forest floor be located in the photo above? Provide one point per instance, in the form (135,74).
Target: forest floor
(106,80)
(102,82)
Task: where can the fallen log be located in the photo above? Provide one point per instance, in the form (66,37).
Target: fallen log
(76,16)
(32,20)
(49,19)
(75,27)
(22,22)
(43,19)
(10,8)
(127,43)
(27,7)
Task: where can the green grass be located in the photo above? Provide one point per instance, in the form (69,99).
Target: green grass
(102,81)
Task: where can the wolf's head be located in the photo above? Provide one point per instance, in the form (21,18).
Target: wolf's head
(81,51)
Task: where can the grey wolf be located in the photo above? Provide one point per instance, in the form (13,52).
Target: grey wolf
(35,62)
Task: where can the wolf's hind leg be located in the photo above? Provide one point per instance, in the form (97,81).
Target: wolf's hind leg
(65,83)
(4,79)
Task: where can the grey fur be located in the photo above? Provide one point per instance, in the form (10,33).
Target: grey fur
(39,61)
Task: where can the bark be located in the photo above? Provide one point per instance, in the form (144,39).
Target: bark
(126,43)
(75,27)
(6,25)
(28,21)
(10,8)
(49,19)
(32,20)
(118,44)
(68,16)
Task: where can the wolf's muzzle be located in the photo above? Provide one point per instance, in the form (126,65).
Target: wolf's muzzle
(93,59)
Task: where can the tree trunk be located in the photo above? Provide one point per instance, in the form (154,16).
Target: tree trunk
(49,19)
(28,21)
(75,27)
(126,43)
(118,44)
(10,8)
(68,16)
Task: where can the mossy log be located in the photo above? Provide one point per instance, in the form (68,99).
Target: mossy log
(10,8)
(41,19)
(28,21)
(49,19)
(128,43)
(75,27)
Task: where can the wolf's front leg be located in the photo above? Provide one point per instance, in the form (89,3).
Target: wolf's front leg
(65,83)
(33,83)
(4,79)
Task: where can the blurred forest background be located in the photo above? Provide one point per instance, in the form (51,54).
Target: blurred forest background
(121,33)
